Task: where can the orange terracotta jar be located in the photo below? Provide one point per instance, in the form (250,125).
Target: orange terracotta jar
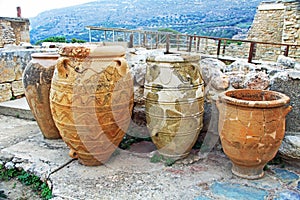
(36,79)
(91,100)
(251,127)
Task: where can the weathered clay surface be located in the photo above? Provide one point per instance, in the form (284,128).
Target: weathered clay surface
(251,127)
(174,92)
(91,101)
(37,78)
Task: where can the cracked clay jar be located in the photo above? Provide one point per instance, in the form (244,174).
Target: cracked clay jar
(251,128)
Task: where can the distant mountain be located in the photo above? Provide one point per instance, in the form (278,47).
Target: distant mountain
(221,18)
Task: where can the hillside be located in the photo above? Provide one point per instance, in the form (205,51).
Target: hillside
(221,18)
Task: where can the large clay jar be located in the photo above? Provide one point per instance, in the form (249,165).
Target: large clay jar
(174,92)
(91,100)
(251,127)
(37,78)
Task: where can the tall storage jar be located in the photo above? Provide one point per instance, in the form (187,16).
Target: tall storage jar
(174,98)
(91,100)
(36,79)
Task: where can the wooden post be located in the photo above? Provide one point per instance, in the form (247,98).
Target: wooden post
(168,43)
(190,44)
(198,44)
(286,52)
(219,47)
(224,47)
(144,39)
(251,52)
(130,45)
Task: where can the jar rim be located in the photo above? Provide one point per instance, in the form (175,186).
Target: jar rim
(254,98)
(45,55)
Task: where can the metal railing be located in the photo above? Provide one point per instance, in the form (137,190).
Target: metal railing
(221,48)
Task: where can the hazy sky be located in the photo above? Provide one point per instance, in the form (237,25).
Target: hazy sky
(30,8)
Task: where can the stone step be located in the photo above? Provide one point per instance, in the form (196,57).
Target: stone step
(17,108)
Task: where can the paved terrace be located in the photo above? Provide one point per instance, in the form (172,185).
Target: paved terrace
(130,174)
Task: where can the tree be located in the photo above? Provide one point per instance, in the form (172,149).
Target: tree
(168,30)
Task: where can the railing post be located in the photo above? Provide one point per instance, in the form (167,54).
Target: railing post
(178,42)
(157,40)
(198,43)
(130,45)
(187,42)
(224,47)
(219,47)
(168,43)
(190,43)
(251,52)
(286,52)
(144,39)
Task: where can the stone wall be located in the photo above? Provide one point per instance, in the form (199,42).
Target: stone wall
(12,64)
(268,23)
(14,31)
(277,22)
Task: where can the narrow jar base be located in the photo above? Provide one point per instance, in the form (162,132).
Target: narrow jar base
(90,162)
(247,172)
(174,156)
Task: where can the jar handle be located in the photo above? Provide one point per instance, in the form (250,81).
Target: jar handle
(73,153)
(122,66)
(286,110)
(62,67)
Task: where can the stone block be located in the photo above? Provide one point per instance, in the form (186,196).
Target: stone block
(7,72)
(17,88)
(5,92)
(237,191)
(18,72)
(288,194)
(286,176)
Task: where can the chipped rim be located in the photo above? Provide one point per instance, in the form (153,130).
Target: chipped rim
(174,58)
(228,97)
(89,50)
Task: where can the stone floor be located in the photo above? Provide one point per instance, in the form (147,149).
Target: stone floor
(131,175)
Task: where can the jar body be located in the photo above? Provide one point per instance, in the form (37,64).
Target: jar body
(174,98)
(91,102)
(36,79)
(251,127)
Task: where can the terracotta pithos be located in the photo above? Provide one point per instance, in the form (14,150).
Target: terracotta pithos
(173,93)
(251,127)
(36,79)
(91,100)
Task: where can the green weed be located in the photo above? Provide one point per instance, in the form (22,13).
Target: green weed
(159,158)
(27,179)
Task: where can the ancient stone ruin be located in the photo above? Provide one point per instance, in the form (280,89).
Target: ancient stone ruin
(275,21)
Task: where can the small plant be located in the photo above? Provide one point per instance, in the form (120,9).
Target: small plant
(74,40)
(158,158)
(129,140)
(27,179)
(277,160)
(169,161)
(7,174)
